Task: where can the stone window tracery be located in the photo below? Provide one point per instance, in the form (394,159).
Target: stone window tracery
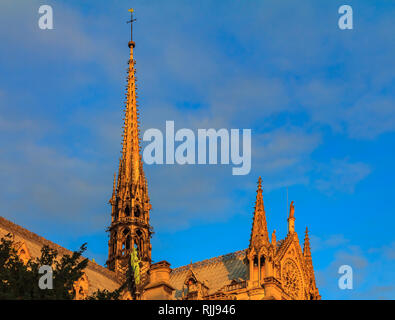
(291,278)
(139,241)
(127,211)
(137,212)
(126,243)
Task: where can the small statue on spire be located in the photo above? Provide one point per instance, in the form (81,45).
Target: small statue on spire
(292,210)
(291,218)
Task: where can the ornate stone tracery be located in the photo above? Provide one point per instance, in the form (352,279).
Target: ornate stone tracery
(292,279)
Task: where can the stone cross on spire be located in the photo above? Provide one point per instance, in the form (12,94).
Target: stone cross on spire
(131,26)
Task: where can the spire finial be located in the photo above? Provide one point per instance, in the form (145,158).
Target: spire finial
(131,43)
(260,183)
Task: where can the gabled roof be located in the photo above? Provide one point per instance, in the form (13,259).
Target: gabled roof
(215,272)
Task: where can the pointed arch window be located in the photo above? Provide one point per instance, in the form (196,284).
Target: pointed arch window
(114,243)
(137,212)
(127,239)
(139,242)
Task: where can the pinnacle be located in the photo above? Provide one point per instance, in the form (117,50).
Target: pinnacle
(306,246)
(260,183)
(259,225)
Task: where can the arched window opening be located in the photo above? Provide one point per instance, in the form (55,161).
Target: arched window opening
(114,243)
(127,211)
(137,212)
(139,242)
(128,241)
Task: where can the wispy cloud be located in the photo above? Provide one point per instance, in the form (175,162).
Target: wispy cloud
(341,175)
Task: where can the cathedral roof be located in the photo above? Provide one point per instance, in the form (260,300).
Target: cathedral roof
(98,276)
(215,273)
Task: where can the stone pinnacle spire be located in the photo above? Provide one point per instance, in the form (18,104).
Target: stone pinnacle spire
(313,291)
(130,167)
(306,246)
(259,233)
(130,228)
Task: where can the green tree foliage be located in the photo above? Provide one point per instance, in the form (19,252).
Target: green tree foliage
(132,280)
(130,283)
(20,281)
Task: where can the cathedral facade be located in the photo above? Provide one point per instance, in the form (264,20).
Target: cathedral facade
(267,269)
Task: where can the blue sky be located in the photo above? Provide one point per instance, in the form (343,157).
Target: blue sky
(319,101)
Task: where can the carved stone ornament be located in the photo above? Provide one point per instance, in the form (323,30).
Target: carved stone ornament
(291,278)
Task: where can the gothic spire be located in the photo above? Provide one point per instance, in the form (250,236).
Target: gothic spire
(131,166)
(259,232)
(312,289)
(306,246)
(130,226)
